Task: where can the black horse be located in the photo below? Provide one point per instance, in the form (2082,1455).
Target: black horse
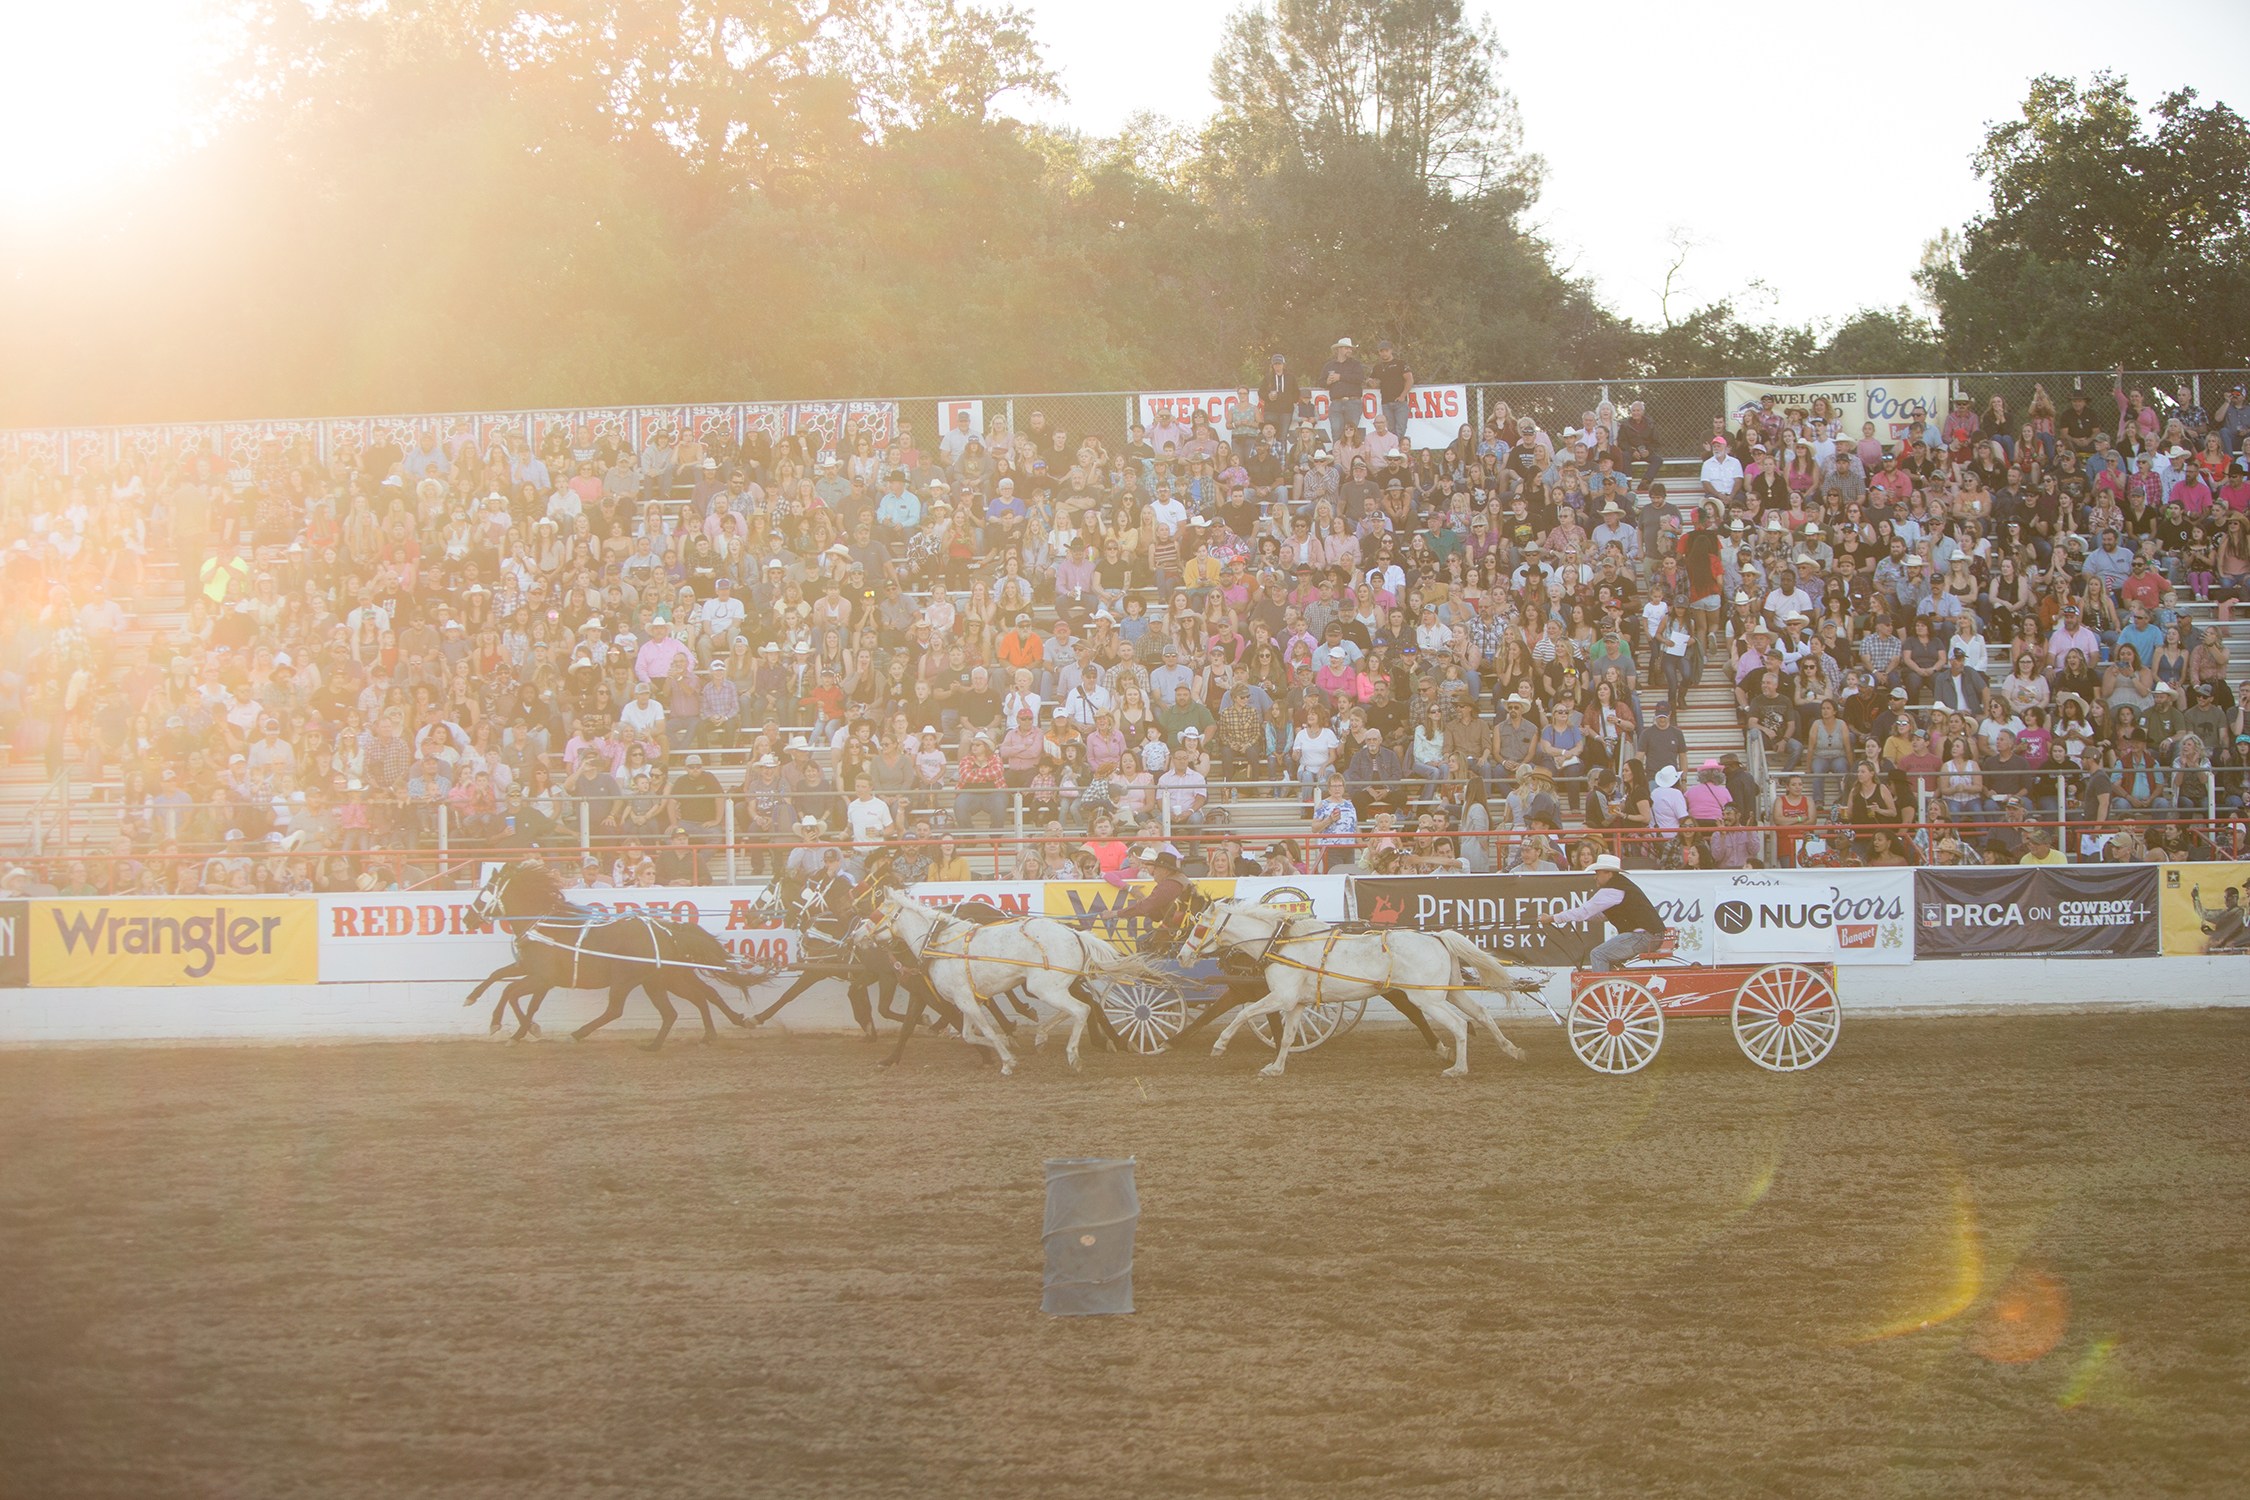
(563,946)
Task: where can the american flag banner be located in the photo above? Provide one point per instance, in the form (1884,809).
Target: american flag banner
(878,419)
(90,450)
(712,422)
(606,421)
(40,447)
(185,442)
(345,435)
(650,422)
(143,445)
(538,424)
(776,419)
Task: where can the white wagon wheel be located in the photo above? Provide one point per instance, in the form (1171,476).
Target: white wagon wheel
(1321,1023)
(1786,1017)
(1145,1015)
(1616,1025)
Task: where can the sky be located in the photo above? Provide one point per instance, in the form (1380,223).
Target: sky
(1638,116)
(1640,112)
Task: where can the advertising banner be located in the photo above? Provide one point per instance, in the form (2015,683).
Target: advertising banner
(953,408)
(2205,908)
(15,944)
(1717,917)
(1769,916)
(1184,407)
(1433,417)
(2017,911)
(1094,904)
(392,936)
(1499,913)
(1890,402)
(189,941)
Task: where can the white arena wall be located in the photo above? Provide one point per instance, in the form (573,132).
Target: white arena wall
(396,965)
(350,1012)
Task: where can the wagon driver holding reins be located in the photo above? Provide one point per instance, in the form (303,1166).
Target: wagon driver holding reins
(1164,909)
(1634,924)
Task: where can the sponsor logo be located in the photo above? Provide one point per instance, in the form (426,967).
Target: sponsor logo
(158,942)
(422,919)
(1857,934)
(1290,898)
(1733,916)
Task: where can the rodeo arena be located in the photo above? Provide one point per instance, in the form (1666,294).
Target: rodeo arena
(1092,837)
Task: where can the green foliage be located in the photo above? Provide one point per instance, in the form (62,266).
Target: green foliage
(461,204)
(2107,240)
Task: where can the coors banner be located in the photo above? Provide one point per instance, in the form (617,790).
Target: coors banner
(2022,911)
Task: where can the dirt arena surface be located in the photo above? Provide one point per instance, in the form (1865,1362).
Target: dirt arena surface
(771,1269)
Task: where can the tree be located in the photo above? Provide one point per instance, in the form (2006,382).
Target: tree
(1413,78)
(2106,240)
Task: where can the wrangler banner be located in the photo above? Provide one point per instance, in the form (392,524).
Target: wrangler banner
(2205,908)
(124,944)
(2024,911)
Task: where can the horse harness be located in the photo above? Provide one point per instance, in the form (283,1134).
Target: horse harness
(1331,932)
(921,954)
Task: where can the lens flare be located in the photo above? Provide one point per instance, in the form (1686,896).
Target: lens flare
(2025,1320)
(1966,1247)
(2091,1367)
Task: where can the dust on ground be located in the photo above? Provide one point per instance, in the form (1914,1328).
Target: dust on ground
(2000,1256)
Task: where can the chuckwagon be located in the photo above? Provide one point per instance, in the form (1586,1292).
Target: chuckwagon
(1149,1015)
(1785,1015)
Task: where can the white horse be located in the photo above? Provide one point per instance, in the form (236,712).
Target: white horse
(969,965)
(1309,962)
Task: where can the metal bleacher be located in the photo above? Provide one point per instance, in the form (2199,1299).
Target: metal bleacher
(45,814)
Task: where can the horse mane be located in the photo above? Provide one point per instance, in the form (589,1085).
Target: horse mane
(1284,917)
(541,888)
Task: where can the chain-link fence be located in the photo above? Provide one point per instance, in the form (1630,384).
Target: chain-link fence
(1683,410)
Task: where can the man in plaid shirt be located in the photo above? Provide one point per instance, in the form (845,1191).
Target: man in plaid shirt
(1881,652)
(721,705)
(1486,631)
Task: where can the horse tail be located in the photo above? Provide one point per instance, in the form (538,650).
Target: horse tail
(697,946)
(1106,959)
(1482,966)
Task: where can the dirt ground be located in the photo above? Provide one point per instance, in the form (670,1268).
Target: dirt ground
(1990,1257)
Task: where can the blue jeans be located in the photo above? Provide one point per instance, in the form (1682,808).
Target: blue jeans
(1342,414)
(1394,414)
(1625,945)
(993,805)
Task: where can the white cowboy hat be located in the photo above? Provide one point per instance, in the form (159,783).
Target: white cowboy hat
(1669,776)
(1611,861)
(1341,344)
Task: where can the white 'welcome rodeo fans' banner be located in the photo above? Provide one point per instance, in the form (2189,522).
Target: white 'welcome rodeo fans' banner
(1891,402)
(1434,413)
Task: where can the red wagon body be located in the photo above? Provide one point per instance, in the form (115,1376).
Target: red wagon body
(1785,1015)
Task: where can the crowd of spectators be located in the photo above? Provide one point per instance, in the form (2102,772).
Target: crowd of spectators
(1461,657)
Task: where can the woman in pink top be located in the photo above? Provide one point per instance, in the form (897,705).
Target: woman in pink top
(1708,796)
